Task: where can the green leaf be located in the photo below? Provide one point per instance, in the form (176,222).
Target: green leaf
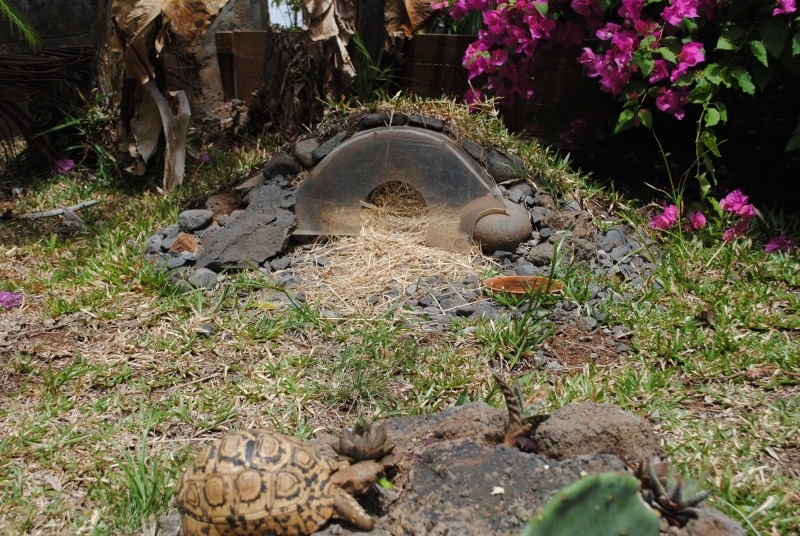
(762,75)
(723,112)
(712,117)
(646,64)
(646,118)
(774,33)
(794,140)
(759,51)
(625,120)
(709,139)
(705,185)
(796,43)
(744,80)
(728,38)
(668,55)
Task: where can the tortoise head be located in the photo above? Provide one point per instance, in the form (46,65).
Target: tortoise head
(357,479)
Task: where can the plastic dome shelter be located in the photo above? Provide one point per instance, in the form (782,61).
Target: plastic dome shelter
(457,191)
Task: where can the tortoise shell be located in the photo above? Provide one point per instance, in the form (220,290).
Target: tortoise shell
(254,482)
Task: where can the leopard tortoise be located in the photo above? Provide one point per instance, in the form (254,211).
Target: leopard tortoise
(256,483)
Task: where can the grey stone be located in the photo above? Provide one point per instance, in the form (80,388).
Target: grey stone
(586,323)
(572,206)
(526,268)
(189,256)
(539,214)
(451,303)
(190,221)
(524,189)
(514,196)
(254,237)
(281,164)
(503,231)
(202,278)
(542,255)
(175,262)
(304,150)
(623,348)
(170,232)
(504,167)
(619,253)
(486,309)
(380,119)
(545,233)
(711,522)
(205,330)
(398,119)
(281,263)
(154,244)
(168,242)
(324,150)
(426,121)
(612,238)
(169,525)
(475,150)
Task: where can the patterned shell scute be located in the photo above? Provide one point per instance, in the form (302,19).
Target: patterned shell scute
(256,480)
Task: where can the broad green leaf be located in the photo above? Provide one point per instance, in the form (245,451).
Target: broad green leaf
(774,33)
(744,80)
(667,54)
(646,118)
(728,38)
(709,139)
(796,43)
(712,117)
(646,64)
(705,185)
(794,140)
(723,111)
(762,75)
(794,143)
(759,51)
(625,120)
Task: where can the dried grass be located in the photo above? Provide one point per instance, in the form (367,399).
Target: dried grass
(389,254)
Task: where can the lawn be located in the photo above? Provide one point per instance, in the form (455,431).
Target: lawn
(109,383)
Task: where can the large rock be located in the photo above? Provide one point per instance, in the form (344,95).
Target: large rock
(260,233)
(503,231)
(591,428)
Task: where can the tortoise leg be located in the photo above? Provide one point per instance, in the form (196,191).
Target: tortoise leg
(346,507)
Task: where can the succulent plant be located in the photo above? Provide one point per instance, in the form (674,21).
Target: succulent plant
(364,441)
(519,415)
(602,504)
(667,491)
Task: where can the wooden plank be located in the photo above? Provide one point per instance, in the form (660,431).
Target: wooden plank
(224,42)
(250,44)
(248,76)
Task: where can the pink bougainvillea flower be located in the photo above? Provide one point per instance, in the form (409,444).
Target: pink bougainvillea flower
(205,158)
(736,231)
(692,53)
(678,9)
(437,6)
(778,243)
(665,219)
(785,7)
(10,300)
(473,97)
(698,220)
(738,203)
(63,166)
(659,71)
(671,101)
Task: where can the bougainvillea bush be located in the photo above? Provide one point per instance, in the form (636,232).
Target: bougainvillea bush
(654,55)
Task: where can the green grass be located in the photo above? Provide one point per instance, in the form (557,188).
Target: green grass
(112,390)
